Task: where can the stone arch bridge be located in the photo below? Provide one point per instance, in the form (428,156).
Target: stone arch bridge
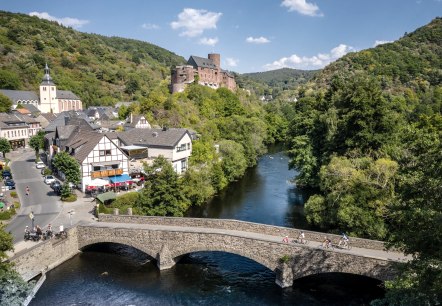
(167,239)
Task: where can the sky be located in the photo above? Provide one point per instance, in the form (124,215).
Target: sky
(250,35)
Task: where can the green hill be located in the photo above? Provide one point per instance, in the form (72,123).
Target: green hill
(413,59)
(284,77)
(99,69)
(274,81)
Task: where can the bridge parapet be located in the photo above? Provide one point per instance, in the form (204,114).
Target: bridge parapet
(230,224)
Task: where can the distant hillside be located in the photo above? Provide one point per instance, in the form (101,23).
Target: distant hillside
(413,59)
(99,69)
(275,80)
(286,76)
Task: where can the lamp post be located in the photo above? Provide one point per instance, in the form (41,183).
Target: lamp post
(70,213)
(31,216)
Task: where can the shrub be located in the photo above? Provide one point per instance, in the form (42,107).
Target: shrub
(47,171)
(13,194)
(284,259)
(70,198)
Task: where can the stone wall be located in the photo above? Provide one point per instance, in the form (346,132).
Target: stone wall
(45,255)
(240,226)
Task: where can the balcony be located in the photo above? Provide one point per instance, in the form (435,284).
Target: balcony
(106,173)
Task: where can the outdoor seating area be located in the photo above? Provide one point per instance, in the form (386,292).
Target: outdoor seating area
(115,184)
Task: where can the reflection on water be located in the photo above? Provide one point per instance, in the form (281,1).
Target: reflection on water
(265,195)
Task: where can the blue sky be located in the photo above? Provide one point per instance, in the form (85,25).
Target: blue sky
(250,35)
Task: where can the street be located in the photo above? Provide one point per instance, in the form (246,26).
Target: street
(42,201)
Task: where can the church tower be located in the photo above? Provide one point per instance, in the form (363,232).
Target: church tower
(48,94)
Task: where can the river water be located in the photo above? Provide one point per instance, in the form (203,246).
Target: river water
(117,275)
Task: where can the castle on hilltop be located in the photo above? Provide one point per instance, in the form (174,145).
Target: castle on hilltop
(207,71)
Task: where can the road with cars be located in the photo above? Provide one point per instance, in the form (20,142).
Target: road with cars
(42,201)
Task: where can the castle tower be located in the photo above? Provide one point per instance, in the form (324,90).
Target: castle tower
(48,92)
(216,58)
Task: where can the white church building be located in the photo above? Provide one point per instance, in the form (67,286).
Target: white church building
(51,99)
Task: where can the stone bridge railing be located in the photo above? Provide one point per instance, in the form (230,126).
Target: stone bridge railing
(229,224)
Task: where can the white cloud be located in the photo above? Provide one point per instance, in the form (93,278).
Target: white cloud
(232,62)
(381,42)
(150,26)
(302,7)
(314,62)
(66,21)
(257,40)
(195,22)
(208,41)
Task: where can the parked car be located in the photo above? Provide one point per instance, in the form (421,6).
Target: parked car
(7,174)
(55,185)
(49,179)
(10,183)
(40,165)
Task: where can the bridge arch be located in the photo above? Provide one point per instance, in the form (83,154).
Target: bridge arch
(139,246)
(192,249)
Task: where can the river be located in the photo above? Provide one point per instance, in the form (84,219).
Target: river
(117,275)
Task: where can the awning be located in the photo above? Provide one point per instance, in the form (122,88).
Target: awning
(110,195)
(120,178)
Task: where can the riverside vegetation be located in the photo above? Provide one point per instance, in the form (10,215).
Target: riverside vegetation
(367,135)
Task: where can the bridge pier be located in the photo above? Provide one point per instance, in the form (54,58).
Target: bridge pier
(164,258)
(284,275)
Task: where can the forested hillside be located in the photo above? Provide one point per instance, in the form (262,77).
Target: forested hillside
(367,136)
(100,70)
(413,61)
(274,82)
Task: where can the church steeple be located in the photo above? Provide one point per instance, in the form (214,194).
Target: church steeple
(47,80)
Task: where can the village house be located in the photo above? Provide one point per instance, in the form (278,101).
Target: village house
(136,122)
(18,128)
(207,71)
(99,157)
(144,145)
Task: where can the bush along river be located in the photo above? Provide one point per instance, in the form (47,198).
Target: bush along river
(111,274)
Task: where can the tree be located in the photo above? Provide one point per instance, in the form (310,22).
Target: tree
(69,166)
(37,142)
(233,160)
(162,194)
(13,289)
(5,103)
(197,185)
(416,218)
(9,80)
(357,193)
(5,146)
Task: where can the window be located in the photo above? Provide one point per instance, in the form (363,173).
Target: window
(105,152)
(188,146)
(181,148)
(44,88)
(183,165)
